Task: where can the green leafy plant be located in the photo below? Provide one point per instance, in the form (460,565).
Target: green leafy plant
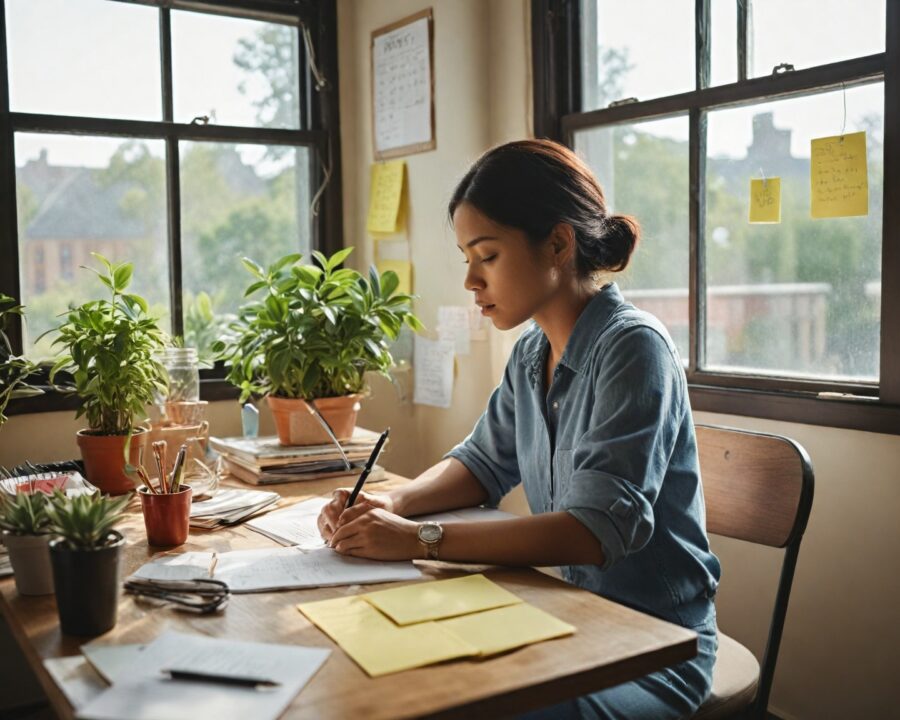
(204,324)
(110,354)
(85,521)
(24,513)
(316,330)
(15,370)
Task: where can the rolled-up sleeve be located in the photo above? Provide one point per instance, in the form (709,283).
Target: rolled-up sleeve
(489,451)
(620,461)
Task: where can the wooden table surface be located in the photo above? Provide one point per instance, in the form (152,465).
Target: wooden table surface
(612,643)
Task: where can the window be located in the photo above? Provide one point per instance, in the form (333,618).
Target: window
(178,136)
(676,112)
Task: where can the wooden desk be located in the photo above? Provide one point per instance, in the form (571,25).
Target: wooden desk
(612,644)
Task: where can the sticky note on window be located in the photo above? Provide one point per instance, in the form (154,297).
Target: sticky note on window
(385,196)
(838,176)
(765,200)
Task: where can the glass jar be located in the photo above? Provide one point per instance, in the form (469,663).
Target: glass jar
(183,371)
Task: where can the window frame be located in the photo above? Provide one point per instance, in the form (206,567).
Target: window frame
(558,114)
(318,131)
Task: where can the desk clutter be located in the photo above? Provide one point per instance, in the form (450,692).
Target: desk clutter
(425,623)
(181,676)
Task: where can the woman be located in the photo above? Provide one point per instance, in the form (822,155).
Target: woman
(592,417)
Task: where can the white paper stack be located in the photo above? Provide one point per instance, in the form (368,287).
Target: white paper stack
(229,507)
(295,525)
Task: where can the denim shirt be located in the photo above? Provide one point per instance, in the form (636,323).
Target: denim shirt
(612,443)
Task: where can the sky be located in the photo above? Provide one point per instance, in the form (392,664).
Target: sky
(110,65)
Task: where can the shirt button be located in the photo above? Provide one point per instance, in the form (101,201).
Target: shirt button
(555,405)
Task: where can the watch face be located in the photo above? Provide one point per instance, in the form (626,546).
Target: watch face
(430,532)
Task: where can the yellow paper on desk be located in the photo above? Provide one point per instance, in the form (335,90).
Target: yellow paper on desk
(838,176)
(506,628)
(377,644)
(440,599)
(385,195)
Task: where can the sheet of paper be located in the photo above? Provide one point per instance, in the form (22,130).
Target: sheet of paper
(375,643)
(295,525)
(506,628)
(74,675)
(268,569)
(110,661)
(148,694)
(226,502)
(385,194)
(433,372)
(401,86)
(838,176)
(765,200)
(454,325)
(440,599)
(404,271)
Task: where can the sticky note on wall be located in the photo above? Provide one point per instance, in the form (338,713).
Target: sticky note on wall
(838,176)
(385,194)
(765,200)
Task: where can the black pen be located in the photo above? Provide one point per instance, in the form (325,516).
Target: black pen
(200,676)
(370,463)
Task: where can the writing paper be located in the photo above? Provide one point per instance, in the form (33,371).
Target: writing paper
(506,628)
(404,271)
(433,372)
(765,200)
(454,325)
(385,194)
(295,525)
(74,675)
(838,176)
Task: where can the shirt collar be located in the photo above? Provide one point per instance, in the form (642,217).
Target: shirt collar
(590,323)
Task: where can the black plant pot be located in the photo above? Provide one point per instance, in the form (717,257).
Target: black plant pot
(87,585)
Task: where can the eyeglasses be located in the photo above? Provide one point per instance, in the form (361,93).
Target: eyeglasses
(201,595)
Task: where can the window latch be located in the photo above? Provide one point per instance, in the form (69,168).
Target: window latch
(782,68)
(623,101)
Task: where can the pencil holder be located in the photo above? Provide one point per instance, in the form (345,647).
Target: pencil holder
(166,516)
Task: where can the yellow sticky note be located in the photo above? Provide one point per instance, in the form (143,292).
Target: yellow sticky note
(419,602)
(384,196)
(838,176)
(403,268)
(506,628)
(765,200)
(376,643)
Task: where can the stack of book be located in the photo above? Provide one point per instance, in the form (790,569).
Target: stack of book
(264,461)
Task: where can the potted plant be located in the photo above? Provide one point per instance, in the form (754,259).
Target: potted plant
(312,336)
(26,534)
(15,370)
(111,348)
(85,560)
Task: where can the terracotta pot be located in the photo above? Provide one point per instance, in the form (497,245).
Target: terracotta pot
(296,425)
(166,516)
(104,459)
(30,558)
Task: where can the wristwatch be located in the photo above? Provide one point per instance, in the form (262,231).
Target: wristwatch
(430,535)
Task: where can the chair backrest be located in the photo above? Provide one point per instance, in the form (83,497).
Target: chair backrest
(758,488)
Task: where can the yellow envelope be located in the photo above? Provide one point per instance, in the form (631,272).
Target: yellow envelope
(502,629)
(838,176)
(765,200)
(378,645)
(419,602)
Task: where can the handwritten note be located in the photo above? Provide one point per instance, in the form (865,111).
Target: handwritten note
(454,324)
(433,371)
(401,69)
(384,196)
(765,200)
(838,176)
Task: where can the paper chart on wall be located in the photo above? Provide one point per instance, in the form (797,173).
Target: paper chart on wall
(433,372)
(454,325)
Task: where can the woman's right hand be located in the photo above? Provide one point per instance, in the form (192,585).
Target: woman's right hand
(330,516)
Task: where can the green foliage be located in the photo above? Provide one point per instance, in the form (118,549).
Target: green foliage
(24,513)
(203,325)
(14,369)
(85,521)
(110,348)
(316,331)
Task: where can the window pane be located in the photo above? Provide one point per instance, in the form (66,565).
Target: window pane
(813,32)
(237,201)
(78,195)
(801,297)
(92,58)
(236,71)
(723,41)
(618,62)
(643,169)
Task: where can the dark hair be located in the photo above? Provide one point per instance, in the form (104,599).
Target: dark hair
(533,185)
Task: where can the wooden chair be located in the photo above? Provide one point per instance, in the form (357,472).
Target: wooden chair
(758,488)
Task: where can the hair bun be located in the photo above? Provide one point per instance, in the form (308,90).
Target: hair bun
(621,234)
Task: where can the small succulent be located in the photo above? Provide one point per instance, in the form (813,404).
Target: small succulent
(85,521)
(24,513)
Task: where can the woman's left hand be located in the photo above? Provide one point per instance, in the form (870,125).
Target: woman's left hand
(372,532)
